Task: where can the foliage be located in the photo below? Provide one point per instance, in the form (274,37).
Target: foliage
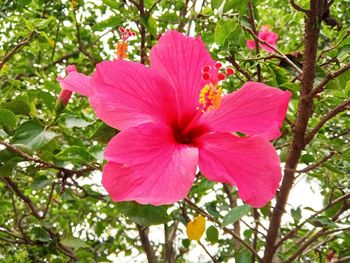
(52,205)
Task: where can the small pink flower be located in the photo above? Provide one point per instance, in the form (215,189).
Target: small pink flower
(266,35)
(172,118)
(66,94)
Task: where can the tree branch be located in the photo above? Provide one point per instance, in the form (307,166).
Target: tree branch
(234,63)
(297,7)
(294,231)
(44,164)
(312,30)
(143,232)
(332,75)
(317,164)
(17,48)
(332,113)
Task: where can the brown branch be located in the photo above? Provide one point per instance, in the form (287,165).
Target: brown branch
(17,48)
(49,200)
(251,20)
(208,253)
(332,75)
(234,63)
(332,113)
(143,232)
(226,230)
(294,231)
(8,181)
(44,164)
(297,7)
(312,30)
(318,163)
(304,246)
(153,6)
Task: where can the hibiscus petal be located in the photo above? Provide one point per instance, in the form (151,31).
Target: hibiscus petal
(145,164)
(181,59)
(76,82)
(250,44)
(250,163)
(127,94)
(254,109)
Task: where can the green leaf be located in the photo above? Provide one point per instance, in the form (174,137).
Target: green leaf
(240,6)
(75,154)
(107,23)
(40,234)
(103,133)
(145,215)
(9,166)
(7,118)
(243,256)
(296,214)
(186,243)
(223,30)
(111,3)
(33,135)
(73,242)
(322,221)
(18,106)
(212,234)
(150,24)
(235,214)
(40,182)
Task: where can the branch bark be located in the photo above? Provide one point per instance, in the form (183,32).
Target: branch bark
(312,30)
(146,244)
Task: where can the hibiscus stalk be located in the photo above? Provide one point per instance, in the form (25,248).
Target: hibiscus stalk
(312,30)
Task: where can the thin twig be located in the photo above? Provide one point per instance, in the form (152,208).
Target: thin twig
(44,164)
(318,163)
(208,253)
(332,113)
(331,75)
(293,232)
(297,7)
(17,48)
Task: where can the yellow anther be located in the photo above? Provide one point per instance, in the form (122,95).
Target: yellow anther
(210,97)
(121,50)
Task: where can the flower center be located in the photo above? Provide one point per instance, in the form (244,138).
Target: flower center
(211,94)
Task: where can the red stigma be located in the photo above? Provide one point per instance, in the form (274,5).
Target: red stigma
(221,76)
(206,68)
(206,76)
(218,65)
(121,29)
(230,71)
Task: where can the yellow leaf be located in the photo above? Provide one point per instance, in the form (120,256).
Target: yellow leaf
(195,228)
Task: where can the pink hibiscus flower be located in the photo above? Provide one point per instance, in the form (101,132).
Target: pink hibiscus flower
(266,35)
(172,119)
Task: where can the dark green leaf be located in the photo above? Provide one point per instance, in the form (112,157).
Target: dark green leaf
(145,215)
(212,234)
(235,214)
(33,135)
